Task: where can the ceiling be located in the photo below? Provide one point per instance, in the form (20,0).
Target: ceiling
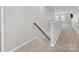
(62,8)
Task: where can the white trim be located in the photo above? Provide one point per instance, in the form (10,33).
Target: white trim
(2,29)
(22,44)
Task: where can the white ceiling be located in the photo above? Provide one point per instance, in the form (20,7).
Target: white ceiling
(63,8)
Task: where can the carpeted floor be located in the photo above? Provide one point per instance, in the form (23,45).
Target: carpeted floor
(0,41)
(68,41)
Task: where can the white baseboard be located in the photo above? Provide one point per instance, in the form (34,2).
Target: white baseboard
(54,43)
(22,44)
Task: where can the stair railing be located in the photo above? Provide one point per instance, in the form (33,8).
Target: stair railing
(41,31)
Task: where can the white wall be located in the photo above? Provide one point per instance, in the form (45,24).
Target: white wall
(75,23)
(0,28)
(0,19)
(55,29)
(19,25)
(55,26)
(68,19)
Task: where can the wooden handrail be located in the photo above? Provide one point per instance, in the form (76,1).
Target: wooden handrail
(41,31)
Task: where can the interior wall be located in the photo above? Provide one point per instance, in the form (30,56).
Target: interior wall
(55,29)
(68,19)
(0,28)
(75,22)
(19,24)
(55,26)
(0,19)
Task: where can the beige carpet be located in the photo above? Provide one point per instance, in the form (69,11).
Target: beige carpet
(68,41)
(0,41)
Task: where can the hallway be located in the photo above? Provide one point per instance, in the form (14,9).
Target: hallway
(68,41)
(20,28)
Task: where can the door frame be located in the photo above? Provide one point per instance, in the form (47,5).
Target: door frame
(2,29)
